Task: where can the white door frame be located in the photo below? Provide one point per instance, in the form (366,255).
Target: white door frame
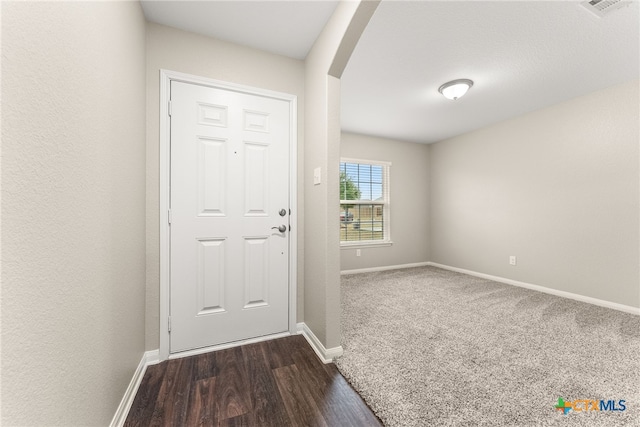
(166,77)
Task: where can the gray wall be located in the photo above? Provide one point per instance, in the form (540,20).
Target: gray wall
(175,50)
(322,147)
(409,178)
(558,188)
(323,68)
(73,213)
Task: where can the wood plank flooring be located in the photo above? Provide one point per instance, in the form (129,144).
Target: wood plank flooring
(273,383)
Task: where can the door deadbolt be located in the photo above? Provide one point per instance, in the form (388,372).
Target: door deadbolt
(282,212)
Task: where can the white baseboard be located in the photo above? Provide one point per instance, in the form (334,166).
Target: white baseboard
(148,358)
(384,268)
(326,355)
(152,357)
(563,294)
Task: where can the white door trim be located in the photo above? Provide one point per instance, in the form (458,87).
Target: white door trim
(166,76)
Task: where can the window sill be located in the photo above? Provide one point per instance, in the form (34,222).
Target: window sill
(356,245)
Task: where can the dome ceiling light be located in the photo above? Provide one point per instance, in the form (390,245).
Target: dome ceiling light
(455,88)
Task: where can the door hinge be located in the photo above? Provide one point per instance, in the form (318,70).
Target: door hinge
(169,216)
(169,109)
(169,323)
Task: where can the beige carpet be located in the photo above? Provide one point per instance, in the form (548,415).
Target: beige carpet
(430,347)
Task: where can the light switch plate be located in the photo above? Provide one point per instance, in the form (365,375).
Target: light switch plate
(317,176)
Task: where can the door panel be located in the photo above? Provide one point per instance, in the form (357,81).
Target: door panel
(229,276)
(211,274)
(212,177)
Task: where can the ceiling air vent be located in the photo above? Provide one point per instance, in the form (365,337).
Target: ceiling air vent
(604,7)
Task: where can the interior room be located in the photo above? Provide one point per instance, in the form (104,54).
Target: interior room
(525,205)
(454,212)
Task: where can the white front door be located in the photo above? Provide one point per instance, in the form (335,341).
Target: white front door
(229,262)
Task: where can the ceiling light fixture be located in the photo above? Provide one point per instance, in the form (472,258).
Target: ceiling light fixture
(455,88)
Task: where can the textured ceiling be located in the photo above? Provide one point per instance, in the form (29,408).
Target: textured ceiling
(286,28)
(522,56)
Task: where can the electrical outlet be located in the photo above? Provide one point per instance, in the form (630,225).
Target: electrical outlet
(358,253)
(512,260)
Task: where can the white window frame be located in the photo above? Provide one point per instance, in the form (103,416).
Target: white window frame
(386,191)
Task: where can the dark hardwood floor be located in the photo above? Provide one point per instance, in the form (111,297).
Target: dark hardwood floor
(273,383)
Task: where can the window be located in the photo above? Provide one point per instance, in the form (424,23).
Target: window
(364,202)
